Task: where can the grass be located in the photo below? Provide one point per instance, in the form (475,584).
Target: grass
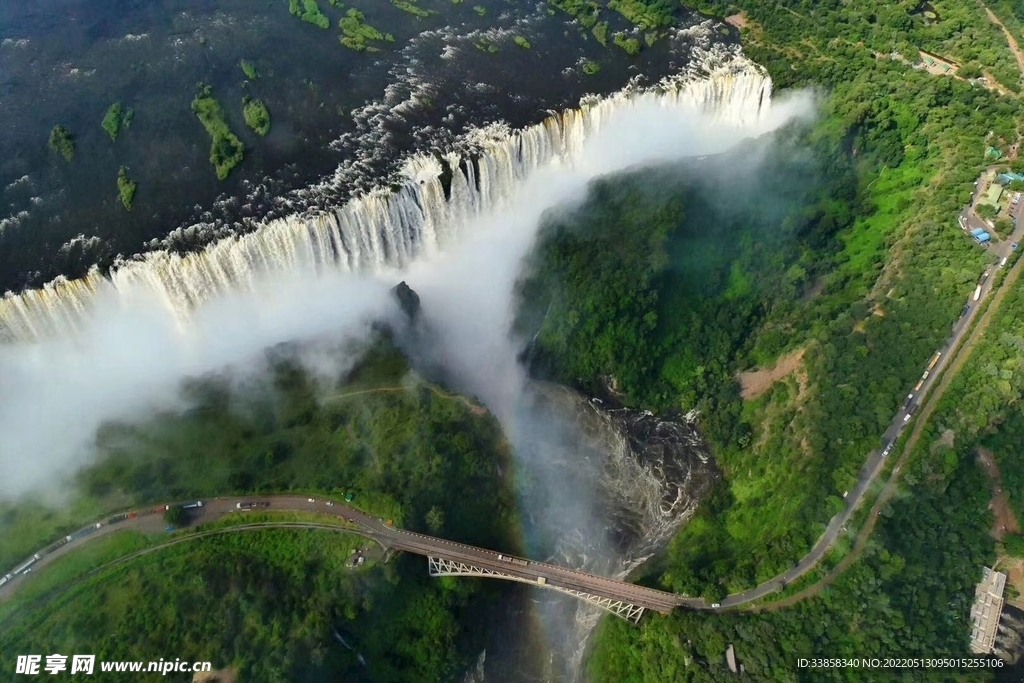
(62,142)
(256,115)
(126,188)
(412,8)
(112,120)
(75,565)
(630,45)
(249,69)
(226,150)
(485,45)
(309,11)
(356,34)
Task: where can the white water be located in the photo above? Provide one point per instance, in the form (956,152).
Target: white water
(385,229)
(63,372)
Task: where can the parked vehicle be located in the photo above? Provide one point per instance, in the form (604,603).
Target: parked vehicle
(977,292)
(191,506)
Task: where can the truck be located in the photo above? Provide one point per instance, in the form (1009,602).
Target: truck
(917,387)
(117,518)
(252,505)
(977,293)
(190,506)
(25,565)
(1003,262)
(935,359)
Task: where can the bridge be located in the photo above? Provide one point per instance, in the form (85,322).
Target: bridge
(444,557)
(449,558)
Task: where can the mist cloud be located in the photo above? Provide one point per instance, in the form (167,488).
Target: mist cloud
(132,354)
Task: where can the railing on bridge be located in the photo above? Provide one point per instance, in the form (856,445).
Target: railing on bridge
(442,567)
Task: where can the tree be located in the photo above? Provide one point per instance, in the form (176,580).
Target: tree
(988,211)
(435,520)
(176,516)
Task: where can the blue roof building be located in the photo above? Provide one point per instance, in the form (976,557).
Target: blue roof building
(983,237)
(977,231)
(1007,178)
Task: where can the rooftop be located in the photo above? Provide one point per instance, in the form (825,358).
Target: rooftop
(988,606)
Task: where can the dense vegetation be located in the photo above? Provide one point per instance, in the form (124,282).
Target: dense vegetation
(256,115)
(356,33)
(663,288)
(112,120)
(249,69)
(226,150)
(125,188)
(411,7)
(309,11)
(62,142)
(651,16)
(269,604)
(404,448)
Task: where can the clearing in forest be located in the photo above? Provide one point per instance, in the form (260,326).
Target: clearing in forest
(755,382)
(1005,521)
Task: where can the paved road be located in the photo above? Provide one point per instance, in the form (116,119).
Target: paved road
(149,520)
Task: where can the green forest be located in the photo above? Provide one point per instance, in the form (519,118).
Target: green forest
(379,433)
(661,289)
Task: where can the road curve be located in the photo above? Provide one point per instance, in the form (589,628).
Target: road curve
(541,573)
(149,520)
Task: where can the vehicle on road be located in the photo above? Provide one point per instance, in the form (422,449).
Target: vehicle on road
(935,359)
(169,528)
(716,605)
(1013,246)
(190,506)
(977,292)
(252,505)
(907,400)
(964,310)
(329,504)
(311,500)
(1003,262)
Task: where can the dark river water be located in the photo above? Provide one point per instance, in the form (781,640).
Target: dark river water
(66,61)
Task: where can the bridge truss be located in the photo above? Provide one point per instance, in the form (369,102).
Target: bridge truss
(442,567)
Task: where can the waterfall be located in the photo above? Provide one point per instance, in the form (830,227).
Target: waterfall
(426,207)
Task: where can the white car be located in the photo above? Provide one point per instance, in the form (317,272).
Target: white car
(312,500)
(716,605)
(906,418)
(330,504)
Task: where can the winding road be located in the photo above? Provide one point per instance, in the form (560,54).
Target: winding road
(544,574)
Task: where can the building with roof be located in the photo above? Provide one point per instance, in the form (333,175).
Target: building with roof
(983,237)
(992,194)
(987,608)
(977,231)
(1007,178)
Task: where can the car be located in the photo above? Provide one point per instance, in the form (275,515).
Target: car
(312,500)
(170,528)
(716,605)
(1013,246)
(906,418)
(330,504)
